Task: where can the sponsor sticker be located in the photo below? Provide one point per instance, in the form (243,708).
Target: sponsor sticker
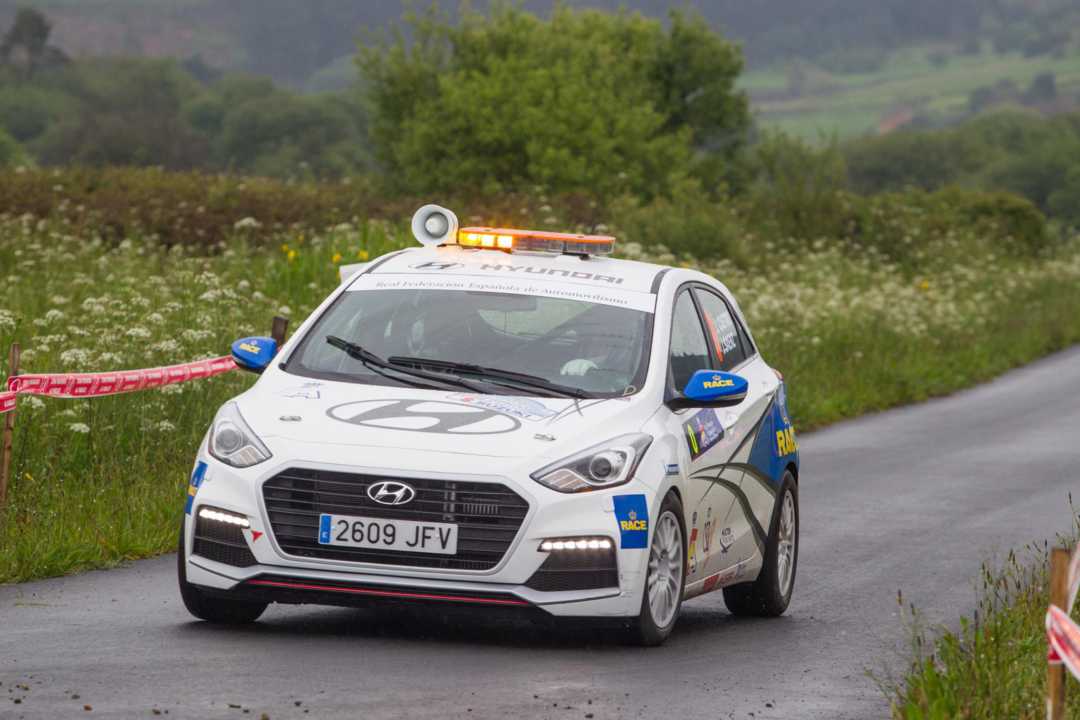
(197,478)
(565,289)
(702,432)
(632,515)
(307,391)
(519,407)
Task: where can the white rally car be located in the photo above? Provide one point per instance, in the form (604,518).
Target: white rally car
(501,418)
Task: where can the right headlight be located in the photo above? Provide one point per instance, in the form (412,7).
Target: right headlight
(233,442)
(601,466)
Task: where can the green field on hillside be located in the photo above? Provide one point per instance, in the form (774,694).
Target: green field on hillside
(854,104)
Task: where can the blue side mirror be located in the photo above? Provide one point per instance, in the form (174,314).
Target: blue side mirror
(254,353)
(712,388)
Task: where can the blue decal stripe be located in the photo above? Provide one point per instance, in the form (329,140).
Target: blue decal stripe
(193,486)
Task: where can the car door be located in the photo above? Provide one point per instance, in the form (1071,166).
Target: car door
(703,443)
(743,531)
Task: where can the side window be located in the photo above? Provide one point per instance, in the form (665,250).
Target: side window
(724,335)
(689,351)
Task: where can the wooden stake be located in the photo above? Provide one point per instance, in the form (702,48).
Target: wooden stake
(9,429)
(279,330)
(1059,595)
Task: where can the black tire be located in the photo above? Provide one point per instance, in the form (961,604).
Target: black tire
(765,597)
(644,629)
(212,608)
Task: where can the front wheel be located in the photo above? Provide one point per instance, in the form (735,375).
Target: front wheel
(769,595)
(665,578)
(211,608)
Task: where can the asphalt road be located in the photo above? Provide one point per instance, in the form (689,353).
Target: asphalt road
(912,499)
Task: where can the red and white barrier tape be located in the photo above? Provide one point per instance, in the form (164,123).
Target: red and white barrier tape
(1074,578)
(1062,634)
(1064,637)
(82,385)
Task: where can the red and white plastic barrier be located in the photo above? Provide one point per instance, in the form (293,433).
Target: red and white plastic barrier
(1064,637)
(82,385)
(1062,634)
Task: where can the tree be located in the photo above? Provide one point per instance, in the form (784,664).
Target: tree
(589,102)
(26,42)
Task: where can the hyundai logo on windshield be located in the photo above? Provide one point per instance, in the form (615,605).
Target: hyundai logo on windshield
(391,492)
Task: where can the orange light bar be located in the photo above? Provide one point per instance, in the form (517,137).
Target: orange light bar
(538,240)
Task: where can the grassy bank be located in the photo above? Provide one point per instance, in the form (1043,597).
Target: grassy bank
(994,666)
(100,481)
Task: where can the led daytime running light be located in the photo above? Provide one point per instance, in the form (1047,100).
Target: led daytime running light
(586,543)
(225,517)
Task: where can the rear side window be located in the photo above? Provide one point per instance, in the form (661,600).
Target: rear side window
(689,350)
(724,336)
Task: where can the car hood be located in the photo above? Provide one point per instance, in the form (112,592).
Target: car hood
(284,407)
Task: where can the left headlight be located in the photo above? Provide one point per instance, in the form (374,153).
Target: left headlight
(601,466)
(233,442)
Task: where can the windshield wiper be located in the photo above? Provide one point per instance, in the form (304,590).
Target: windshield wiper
(378,365)
(494,375)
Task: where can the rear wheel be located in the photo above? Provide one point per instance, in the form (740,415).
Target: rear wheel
(769,595)
(665,576)
(211,608)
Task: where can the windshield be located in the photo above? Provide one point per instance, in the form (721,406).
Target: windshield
(596,348)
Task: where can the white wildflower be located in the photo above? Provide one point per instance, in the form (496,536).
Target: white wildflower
(247,223)
(138,332)
(76,357)
(81,428)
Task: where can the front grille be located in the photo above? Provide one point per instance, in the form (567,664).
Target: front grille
(222,542)
(488,516)
(576,570)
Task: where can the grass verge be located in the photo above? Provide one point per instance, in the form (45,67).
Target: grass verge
(994,666)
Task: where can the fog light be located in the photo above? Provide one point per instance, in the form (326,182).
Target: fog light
(576,544)
(223,516)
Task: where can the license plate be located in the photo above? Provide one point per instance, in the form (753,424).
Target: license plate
(384,534)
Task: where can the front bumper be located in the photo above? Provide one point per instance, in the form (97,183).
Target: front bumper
(277,575)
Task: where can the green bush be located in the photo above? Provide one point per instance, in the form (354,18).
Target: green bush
(798,189)
(589,102)
(688,223)
(915,227)
(11,153)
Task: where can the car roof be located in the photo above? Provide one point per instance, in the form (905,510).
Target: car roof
(596,271)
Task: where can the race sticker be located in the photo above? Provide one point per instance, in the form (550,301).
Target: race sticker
(632,514)
(193,486)
(703,431)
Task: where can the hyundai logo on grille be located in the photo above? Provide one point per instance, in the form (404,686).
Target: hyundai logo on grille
(390,492)
(425,416)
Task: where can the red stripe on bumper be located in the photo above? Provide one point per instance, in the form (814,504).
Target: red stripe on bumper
(388,593)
